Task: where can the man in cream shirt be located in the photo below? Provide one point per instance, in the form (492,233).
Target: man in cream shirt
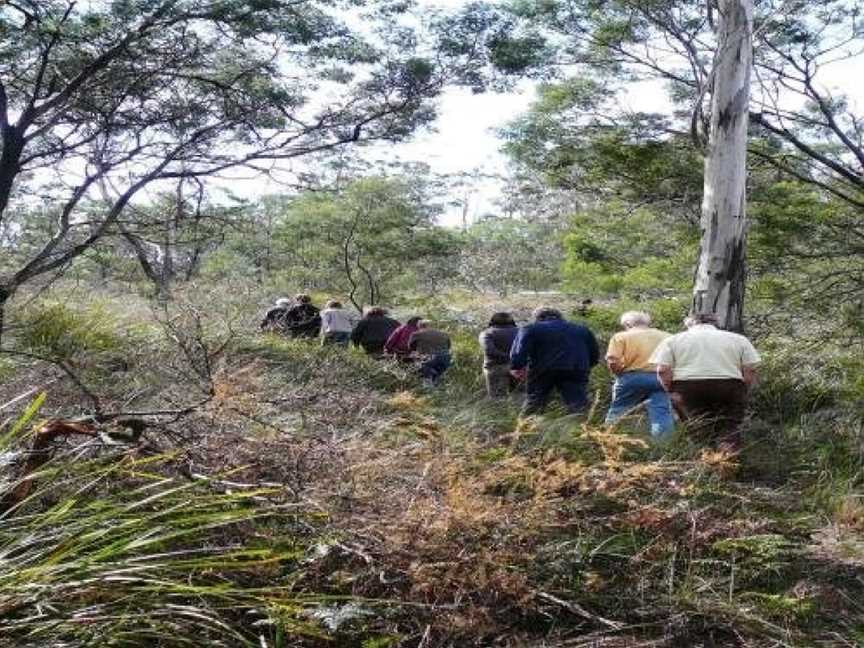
(708,374)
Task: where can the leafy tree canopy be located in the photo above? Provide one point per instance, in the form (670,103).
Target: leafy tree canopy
(125,95)
(376,233)
(802,128)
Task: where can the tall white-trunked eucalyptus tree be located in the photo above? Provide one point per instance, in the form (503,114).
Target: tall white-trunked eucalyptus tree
(721,269)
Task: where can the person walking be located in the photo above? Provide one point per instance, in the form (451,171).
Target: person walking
(496,341)
(335,324)
(629,358)
(303,318)
(432,348)
(708,373)
(276,319)
(554,354)
(397,344)
(373,330)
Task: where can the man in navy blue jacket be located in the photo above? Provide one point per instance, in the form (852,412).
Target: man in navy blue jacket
(557,355)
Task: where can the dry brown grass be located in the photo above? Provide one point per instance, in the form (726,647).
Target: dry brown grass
(594,540)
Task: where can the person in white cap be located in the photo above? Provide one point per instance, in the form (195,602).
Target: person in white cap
(276,319)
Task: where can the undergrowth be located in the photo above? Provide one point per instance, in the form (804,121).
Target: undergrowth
(111,546)
(355,506)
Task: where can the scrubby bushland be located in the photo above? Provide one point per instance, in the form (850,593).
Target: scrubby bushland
(315,493)
(105,542)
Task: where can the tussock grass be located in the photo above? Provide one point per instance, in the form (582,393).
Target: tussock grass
(436,517)
(110,548)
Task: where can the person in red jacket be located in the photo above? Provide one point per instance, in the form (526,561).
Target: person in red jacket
(397,344)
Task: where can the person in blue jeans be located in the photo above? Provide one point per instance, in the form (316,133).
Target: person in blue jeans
(553,354)
(636,382)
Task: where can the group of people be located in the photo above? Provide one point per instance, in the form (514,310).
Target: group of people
(379,335)
(703,374)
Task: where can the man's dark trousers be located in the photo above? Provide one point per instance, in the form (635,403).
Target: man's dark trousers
(571,384)
(714,408)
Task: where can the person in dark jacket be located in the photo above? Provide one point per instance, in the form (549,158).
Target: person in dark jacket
(276,319)
(496,342)
(397,343)
(554,354)
(303,319)
(372,331)
(432,348)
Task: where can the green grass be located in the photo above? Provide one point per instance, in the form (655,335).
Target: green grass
(112,550)
(451,509)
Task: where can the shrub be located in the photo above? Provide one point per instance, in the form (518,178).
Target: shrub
(62,332)
(109,549)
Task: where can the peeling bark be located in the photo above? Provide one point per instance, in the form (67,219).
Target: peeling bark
(721,269)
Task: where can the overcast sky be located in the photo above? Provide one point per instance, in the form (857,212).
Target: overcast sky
(464,140)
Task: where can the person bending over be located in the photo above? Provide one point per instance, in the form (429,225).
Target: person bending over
(373,330)
(496,341)
(432,348)
(335,324)
(397,344)
(708,374)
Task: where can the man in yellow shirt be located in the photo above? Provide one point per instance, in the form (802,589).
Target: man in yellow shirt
(636,381)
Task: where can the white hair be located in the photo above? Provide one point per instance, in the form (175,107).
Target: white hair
(635,318)
(283,301)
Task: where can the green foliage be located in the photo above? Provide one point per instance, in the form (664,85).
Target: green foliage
(794,384)
(500,48)
(804,251)
(24,419)
(614,250)
(226,263)
(62,331)
(7,368)
(565,137)
(509,254)
(759,558)
(560,504)
(587,134)
(226,84)
(781,606)
(387,641)
(114,551)
(666,314)
(302,360)
(377,235)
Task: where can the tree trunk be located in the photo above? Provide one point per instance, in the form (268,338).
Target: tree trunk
(10,158)
(719,281)
(5,294)
(152,270)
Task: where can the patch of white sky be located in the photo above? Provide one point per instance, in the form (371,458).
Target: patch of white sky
(464,141)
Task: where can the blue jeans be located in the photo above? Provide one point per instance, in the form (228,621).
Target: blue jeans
(434,366)
(633,388)
(336,337)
